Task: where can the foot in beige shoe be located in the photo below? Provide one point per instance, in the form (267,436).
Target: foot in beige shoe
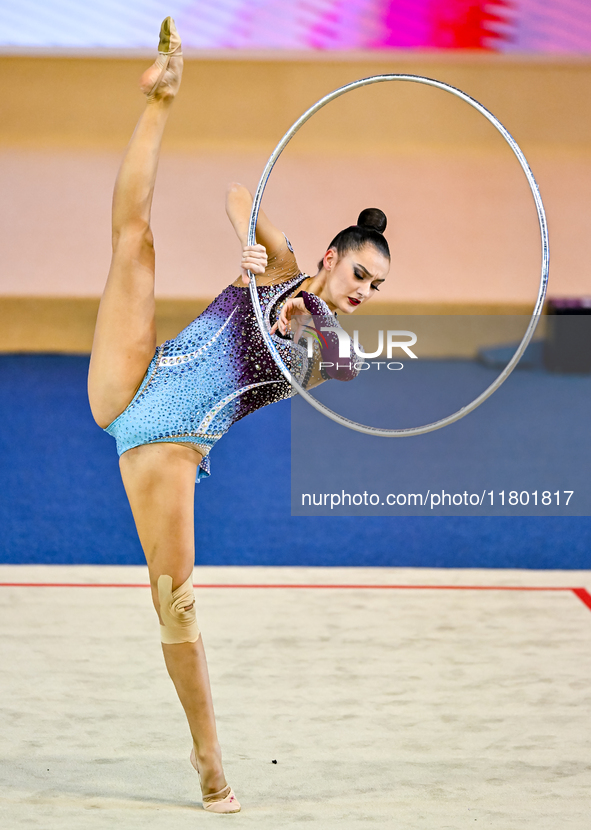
(163,78)
(223,801)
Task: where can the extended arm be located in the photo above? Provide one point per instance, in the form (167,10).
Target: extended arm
(238,207)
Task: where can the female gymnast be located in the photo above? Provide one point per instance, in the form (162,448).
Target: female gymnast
(168,406)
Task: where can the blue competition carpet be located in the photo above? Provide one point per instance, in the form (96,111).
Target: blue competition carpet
(63,501)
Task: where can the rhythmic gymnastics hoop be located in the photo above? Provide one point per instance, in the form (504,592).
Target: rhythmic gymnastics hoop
(450,419)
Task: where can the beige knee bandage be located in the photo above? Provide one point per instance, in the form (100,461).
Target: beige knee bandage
(177,611)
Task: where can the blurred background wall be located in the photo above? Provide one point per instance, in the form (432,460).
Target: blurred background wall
(462,225)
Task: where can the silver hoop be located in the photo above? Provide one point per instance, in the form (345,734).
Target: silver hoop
(450,419)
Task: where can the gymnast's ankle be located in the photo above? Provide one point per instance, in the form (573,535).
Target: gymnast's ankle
(211,771)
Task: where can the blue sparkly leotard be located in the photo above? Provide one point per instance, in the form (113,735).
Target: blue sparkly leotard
(218,369)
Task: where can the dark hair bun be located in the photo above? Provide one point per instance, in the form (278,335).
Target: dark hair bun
(373,219)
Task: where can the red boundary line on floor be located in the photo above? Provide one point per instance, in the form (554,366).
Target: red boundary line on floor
(581,593)
(292,585)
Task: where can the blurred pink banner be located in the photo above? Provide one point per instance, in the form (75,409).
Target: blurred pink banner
(527,26)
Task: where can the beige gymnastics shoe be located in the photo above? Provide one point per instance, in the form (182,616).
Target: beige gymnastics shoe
(163,78)
(223,802)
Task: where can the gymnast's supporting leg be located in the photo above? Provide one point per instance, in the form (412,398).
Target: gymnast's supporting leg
(159,480)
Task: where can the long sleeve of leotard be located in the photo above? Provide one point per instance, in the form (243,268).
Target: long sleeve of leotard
(333,366)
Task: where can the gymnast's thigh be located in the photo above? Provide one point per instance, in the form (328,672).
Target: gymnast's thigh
(159,480)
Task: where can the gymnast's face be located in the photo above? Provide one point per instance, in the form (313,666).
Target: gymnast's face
(354,278)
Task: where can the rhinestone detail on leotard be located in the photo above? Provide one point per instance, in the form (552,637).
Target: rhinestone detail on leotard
(216,371)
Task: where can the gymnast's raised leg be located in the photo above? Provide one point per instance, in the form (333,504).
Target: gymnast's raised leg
(159,478)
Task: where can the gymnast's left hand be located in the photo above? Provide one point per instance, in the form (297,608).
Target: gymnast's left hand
(254,258)
(293,309)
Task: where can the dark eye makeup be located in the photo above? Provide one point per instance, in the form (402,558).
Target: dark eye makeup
(362,276)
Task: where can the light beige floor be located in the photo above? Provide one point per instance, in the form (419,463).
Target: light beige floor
(394,708)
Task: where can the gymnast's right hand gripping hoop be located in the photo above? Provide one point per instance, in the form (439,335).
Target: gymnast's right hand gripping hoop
(450,419)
